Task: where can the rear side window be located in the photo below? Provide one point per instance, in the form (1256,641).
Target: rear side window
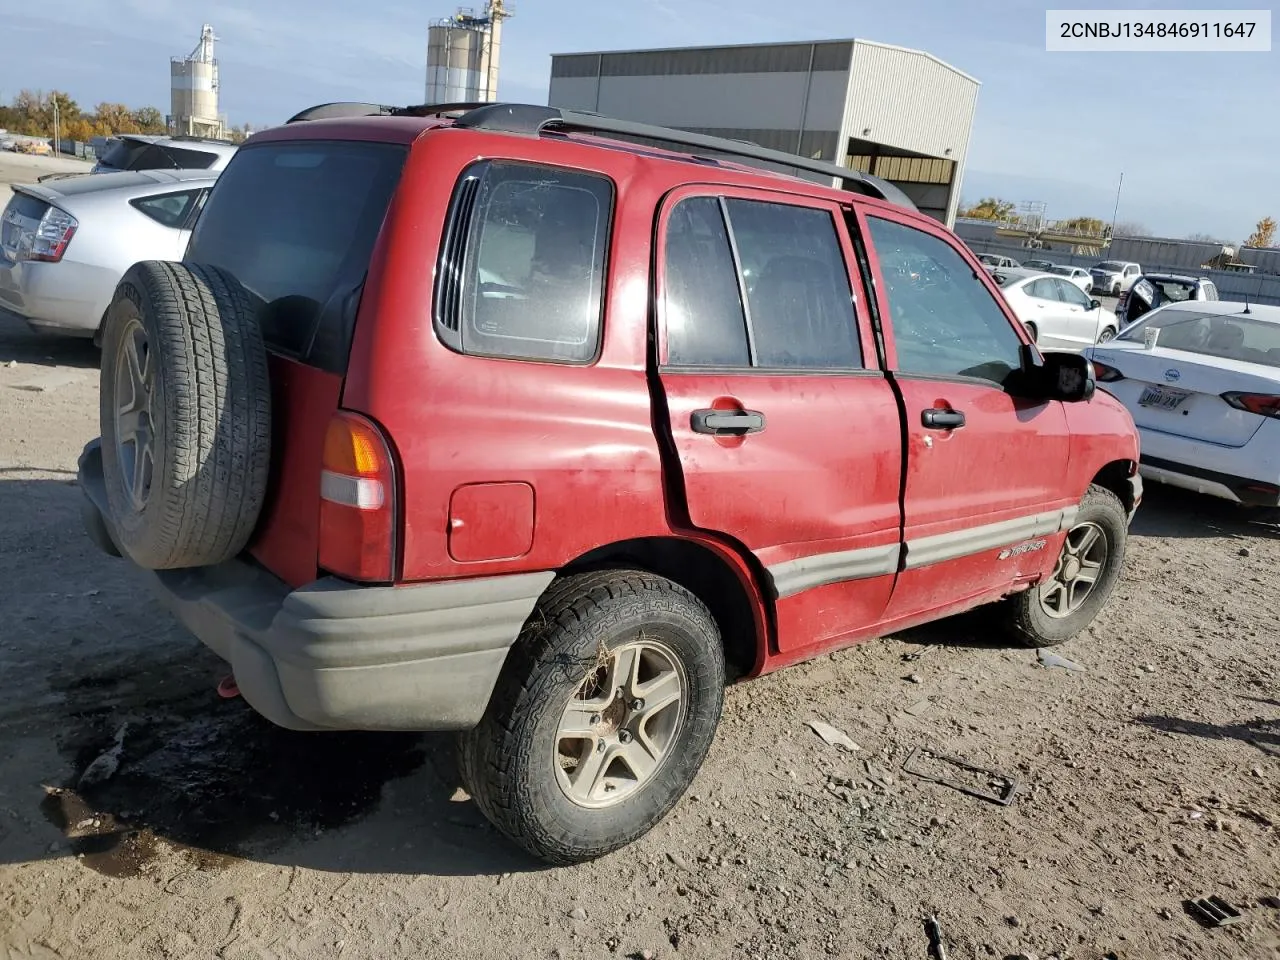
(789,263)
(169,209)
(523,263)
(122,154)
(296,224)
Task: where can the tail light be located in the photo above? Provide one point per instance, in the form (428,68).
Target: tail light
(357,501)
(1106,374)
(43,239)
(1263,404)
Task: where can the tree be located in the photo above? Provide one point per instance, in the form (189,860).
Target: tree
(990,208)
(1264,234)
(114,118)
(1131,228)
(1199,237)
(149,120)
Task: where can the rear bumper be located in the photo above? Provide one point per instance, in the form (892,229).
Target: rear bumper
(1225,486)
(336,656)
(65,297)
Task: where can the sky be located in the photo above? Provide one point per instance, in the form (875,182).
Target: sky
(1194,134)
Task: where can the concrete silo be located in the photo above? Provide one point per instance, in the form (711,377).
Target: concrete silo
(194,88)
(462,56)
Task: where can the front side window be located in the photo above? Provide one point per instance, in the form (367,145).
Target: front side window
(788,262)
(945,321)
(1070,293)
(523,266)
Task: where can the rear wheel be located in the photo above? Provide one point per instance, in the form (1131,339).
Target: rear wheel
(1032,332)
(1115,291)
(1108,333)
(1083,579)
(601,717)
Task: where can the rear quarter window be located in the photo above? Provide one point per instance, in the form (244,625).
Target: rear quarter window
(523,263)
(296,224)
(168,209)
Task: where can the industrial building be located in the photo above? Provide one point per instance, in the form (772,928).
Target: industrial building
(900,114)
(462,55)
(194,92)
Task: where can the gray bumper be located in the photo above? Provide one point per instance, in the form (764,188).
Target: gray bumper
(336,656)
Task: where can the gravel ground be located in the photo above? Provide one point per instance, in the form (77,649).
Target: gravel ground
(26,168)
(142,816)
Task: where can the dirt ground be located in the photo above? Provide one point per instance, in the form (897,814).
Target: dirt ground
(142,816)
(26,168)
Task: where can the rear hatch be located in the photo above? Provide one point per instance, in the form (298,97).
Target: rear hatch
(1180,392)
(296,222)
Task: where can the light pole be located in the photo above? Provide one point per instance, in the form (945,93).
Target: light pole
(57,146)
(1115,213)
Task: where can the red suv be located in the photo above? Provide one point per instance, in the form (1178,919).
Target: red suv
(495,420)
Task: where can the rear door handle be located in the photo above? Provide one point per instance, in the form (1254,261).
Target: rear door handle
(939,419)
(727,423)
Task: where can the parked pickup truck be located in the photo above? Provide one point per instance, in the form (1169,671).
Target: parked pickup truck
(497,422)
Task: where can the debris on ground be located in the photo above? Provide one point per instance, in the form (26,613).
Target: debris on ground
(106,764)
(1050,659)
(1213,911)
(832,736)
(982,783)
(937,949)
(49,380)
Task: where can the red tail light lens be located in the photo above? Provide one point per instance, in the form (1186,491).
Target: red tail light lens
(1105,374)
(357,501)
(1263,404)
(44,239)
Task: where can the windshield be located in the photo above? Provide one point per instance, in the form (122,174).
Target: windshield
(1061,271)
(1005,280)
(988,258)
(1175,290)
(1111,266)
(1230,336)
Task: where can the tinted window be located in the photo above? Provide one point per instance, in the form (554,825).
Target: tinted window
(702,305)
(798,295)
(945,321)
(1234,337)
(524,263)
(121,154)
(1070,293)
(1043,289)
(296,224)
(170,209)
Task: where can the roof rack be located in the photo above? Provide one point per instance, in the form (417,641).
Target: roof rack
(529,119)
(345,109)
(535,120)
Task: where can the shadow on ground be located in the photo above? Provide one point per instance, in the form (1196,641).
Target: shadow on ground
(125,746)
(1259,732)
(20,343)
(1172,512)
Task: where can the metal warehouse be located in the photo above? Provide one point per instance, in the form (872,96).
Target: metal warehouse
(901,114)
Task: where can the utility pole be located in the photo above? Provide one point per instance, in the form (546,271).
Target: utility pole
(1115,213)
(57,145)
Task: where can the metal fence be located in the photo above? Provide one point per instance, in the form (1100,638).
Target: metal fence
(1232,285)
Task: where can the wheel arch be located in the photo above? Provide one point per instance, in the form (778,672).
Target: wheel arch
(715,574)
(1116,476)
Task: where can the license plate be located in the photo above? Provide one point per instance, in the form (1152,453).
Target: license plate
(1163,398)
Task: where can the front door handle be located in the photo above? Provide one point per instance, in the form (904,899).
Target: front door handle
(727,423)
(939,419)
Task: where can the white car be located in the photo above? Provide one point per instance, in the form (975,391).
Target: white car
(1077,275)
(1055,311)
(1114,277)
(1205,396)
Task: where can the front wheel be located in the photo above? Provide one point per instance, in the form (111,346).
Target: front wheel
(601,717)
(1115,291)
(1083,579)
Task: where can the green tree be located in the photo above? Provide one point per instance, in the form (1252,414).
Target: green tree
(990,208)
(149,120)
(1264,234)
(1086,225)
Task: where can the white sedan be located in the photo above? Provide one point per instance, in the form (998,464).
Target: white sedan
(1205,396)
(1055,311)
(1081,277)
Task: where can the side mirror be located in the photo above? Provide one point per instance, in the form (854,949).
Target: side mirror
(1094,304)
(1068,377)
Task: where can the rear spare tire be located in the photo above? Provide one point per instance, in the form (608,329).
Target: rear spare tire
(185,415)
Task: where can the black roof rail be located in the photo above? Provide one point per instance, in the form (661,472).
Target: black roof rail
(530,119)
(348,109)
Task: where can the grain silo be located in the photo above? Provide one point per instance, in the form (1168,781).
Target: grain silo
(462,56)
(194,87)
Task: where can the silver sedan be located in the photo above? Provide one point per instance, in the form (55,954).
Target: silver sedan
(64,244)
